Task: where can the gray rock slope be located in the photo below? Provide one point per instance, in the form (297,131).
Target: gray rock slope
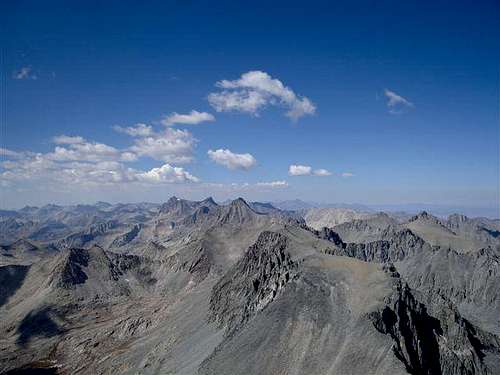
(202,288)
(457,232)
(318,218)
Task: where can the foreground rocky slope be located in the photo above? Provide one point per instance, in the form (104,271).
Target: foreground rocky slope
(202,288)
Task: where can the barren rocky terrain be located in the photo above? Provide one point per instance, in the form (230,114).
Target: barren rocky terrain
(197,287)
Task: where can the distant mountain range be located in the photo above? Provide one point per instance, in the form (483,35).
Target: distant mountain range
(410,208)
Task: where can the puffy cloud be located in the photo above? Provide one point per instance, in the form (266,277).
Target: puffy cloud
(322,172)
(396,103)
(128,156)
(305,170)
(139,130)
(231,160)
(170,146)
(256,90)
(347,174)
(242,101)
(192,118)
(85,151)
(82,164)
(26,72)
(43,170)
(167,173)
(299,170)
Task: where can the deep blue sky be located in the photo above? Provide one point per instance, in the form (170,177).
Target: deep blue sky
(100,64)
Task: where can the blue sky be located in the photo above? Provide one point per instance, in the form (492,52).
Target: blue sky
(85,70)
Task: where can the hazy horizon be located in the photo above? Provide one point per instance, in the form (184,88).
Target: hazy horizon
(408,208)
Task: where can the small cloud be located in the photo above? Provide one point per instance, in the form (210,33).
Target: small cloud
(299,170)
(396,103)
(305,170)
(139,130)
(273,184)
(192,118)
(128,156)
(322,172)
(68,140)
(167,174)
(232,160)
(170,146)
(25,72)
(347,174)
(256,90)
(9,153)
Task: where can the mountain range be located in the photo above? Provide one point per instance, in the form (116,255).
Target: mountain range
(198,287)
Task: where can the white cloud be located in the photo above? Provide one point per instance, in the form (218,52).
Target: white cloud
(273,184)
(139,130)
(81,163)
(9,153)
(256,90)
(85,151)
(170,146)
(347,174)
(167,173)
(193,118)
(231,160)
(322,172)
(242,101)
(24,73)
(68,140)
(396,103)
(45,171)
(128,156)
(305,170)
(299,170)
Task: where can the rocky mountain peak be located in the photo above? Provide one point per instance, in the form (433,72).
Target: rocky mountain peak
(238,212)
(74,265)
(208,202)
(176,206)
(425,216)
(253,282)
(239,202)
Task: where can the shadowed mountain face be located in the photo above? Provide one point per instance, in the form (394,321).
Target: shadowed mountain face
(196,287)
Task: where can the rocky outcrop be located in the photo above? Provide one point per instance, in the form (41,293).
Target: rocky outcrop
(253,282)
(479,229)
(70,270)
(365,230)
(127,237)
(11,279)
(470,281)
(81,239)
(441,344)
(396,246)
(329,235)
(203,214)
